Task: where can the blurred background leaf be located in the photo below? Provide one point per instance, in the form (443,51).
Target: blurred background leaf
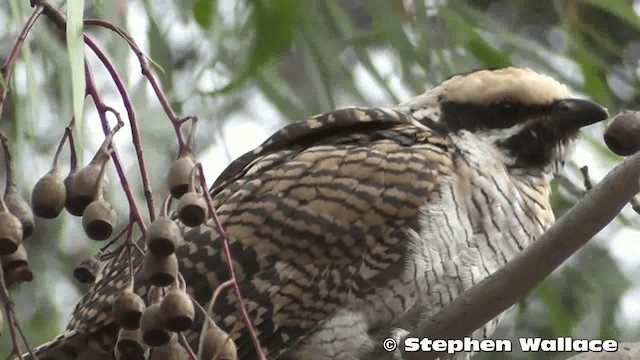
(247,67)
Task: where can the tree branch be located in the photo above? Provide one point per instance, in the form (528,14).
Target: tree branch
(510,284)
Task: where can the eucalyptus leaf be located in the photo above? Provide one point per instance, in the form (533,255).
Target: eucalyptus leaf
(75,48)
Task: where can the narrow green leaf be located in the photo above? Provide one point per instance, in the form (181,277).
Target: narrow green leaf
(75,49)
(160,54)
(203,12)
(347,29)
(621,9)
(279,94)
(467,36)
(487,54)
(273,22)
(3,84)
(595,83)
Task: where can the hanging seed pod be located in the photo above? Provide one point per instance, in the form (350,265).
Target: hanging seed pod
(10,231)
(178,310)
(89,182)
(160,270)
(153,331)
(18,275)
(163,236)
(127,310)
(130,345)
(73,205)
(99,219)
(20,208)
(87,271)
(192,209)
(16,267)
(171,351)
(18,258)
(218,345)
(49,195)
(180,173)
(84,186)
(13,202)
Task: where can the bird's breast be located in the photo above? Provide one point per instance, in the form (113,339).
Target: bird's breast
(481,222)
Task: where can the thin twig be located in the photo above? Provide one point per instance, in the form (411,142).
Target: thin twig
(205,324)
(56,156)
(24,339)
(129,243)
(102,110)
(8,162)
(133,122)
(185,345)
(73,157)
(124,230)
(146,72)
(7,68)
(227,252)
(588,184)
(166,206)
(9,312)
(60,21)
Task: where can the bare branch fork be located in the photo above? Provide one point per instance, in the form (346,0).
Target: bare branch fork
(511,283)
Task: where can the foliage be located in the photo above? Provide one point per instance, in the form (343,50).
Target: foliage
(263,61)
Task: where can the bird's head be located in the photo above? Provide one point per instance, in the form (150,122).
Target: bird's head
(530,118)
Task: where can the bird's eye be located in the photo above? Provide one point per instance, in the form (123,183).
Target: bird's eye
(507,109)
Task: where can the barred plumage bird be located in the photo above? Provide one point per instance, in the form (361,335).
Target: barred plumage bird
(360,223)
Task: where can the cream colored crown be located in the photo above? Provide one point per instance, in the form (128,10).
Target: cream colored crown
(485,87)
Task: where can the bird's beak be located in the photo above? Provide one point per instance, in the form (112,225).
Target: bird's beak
(572,114)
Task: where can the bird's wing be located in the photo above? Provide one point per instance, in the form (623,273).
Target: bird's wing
(318,216)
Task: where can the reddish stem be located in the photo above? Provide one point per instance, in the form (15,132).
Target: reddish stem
(102,113)
(135,132)
(205,324)
(67,132)
(8,310)
(8,162)
(187,347)
(73,158)
(227,252)
(146,72)
(7,69)
(166,206)
(60,21)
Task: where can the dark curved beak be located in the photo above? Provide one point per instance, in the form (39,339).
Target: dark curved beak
(572,114)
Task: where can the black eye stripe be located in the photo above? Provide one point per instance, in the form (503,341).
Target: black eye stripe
(474,117)
(506,109)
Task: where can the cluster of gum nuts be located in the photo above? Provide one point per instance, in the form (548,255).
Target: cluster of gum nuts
(157,324)
(82,193)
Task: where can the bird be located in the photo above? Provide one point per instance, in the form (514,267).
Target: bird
(359,224)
